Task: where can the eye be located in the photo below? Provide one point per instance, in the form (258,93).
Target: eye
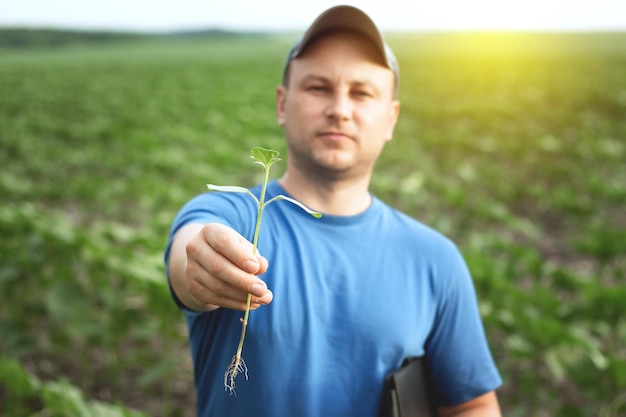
(319,88)
(361,93)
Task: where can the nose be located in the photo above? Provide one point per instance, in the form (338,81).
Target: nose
(340,106)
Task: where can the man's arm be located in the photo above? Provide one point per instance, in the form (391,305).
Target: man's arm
(484,406)
(212,266)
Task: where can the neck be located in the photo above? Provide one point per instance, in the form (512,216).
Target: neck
(335,197)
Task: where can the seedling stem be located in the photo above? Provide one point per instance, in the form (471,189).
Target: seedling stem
(266,158)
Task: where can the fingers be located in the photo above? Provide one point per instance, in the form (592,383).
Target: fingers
(235,248)
(207,296)
(222,270)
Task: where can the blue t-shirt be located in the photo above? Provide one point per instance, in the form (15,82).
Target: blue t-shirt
(353,296)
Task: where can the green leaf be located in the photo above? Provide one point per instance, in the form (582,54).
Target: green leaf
(231,189)
(13,375)
(64,399)
(555,365)
(313,213)
(265,157)
(158,372)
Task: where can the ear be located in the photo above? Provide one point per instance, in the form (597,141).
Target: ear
(394,112)
(281,97)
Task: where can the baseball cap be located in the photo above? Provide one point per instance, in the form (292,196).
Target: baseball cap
(347,18)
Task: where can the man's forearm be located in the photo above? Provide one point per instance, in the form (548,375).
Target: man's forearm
(178,264)
(484,406)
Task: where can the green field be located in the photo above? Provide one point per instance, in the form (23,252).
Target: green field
(514,145)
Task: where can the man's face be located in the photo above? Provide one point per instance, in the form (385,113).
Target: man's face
(338,109)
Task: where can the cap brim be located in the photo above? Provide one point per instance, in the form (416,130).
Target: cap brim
(344,18)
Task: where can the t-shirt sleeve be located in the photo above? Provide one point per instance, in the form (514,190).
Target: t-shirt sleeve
(459,360)
(225,208)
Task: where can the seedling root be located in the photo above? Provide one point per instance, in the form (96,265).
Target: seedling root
(237,365)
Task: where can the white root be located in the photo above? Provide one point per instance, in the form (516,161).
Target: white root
(237,365)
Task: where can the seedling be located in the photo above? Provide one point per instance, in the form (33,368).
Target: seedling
(266,158)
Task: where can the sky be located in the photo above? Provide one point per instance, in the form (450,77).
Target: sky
(296,15)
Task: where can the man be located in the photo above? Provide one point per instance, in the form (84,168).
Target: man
(356,291)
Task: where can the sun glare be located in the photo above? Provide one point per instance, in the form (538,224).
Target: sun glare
(495,15)
(491,15)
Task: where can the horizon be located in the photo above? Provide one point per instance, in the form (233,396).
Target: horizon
(235,31)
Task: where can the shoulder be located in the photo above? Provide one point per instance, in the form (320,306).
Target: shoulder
(425,249)
(407,228)
(232,209)
(211,201)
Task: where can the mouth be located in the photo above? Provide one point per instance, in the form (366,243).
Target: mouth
(335,136)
